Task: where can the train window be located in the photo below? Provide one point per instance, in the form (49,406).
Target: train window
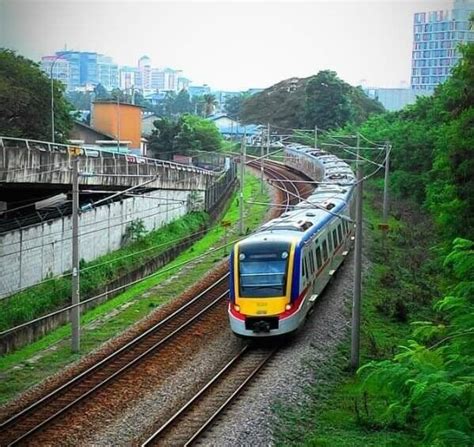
(334,236)
(319,261)
(303,267)
(339,232)
(263,273)
(325,250)
(330,242)
(311,260)
(306,265)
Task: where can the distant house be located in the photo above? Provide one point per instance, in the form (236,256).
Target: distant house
(233,129)
(147,124)
(85,134)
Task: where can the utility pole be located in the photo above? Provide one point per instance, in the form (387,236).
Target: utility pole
(268,139)
(75,311)
(261,163)
(356,301)
(388,149)
(315,137)
(118,122)
(242,172)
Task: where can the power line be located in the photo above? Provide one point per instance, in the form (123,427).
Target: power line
(91,267)
(85,234)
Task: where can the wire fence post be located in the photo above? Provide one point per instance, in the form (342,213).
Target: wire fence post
(315,137)
(262,161)
(388,148)
(241,196)
(75,311)
(356,301)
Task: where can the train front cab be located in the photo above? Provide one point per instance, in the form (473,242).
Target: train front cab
(261,283)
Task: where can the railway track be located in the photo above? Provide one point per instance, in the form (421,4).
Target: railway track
(22,427)
(197,414)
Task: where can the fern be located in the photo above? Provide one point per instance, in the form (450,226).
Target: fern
(430,382)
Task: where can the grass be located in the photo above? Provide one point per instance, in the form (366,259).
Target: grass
(394,295)
(31,364)
(49,296)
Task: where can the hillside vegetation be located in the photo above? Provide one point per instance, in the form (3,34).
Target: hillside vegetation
(323,100)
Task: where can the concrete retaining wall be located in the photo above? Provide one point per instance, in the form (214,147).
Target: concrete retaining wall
(35,253)
(28,334)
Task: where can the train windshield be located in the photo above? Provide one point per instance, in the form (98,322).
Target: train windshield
(263,270)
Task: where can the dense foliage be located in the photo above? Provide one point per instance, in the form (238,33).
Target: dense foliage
(322,100)
(433,156)
(187,134)
(429,383)
(25,101)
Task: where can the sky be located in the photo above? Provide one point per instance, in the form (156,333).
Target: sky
(229,45)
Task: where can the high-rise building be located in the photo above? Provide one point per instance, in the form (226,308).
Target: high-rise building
(57,67)
(144,74)
(107,72)
(84,69)
(436,36)
(128,77)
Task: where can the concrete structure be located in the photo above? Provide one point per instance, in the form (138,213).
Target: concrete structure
(31,254)
(122,121)
(436,36)
(28,163)
(394,99)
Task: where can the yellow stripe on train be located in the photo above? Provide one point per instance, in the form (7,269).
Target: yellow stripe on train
(262,306)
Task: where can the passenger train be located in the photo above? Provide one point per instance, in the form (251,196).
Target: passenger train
(277,273)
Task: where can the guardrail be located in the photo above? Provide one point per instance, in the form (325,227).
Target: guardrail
(45,146)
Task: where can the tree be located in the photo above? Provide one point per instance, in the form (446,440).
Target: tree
(189,133)
(182,103)
(197,104)
(234,104)
(101,93)
(25,101)
(197,134)
(327,104)
(160,142)
(210,103)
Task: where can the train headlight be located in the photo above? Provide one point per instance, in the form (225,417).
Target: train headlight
(237,307)
(288,306)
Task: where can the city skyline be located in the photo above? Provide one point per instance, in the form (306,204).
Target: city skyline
(228,45)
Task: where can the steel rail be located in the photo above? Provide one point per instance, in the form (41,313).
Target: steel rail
(5,425)
(221,375)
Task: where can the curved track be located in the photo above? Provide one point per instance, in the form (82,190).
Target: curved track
(24,425)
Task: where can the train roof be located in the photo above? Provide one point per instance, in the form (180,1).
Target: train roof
(309,216)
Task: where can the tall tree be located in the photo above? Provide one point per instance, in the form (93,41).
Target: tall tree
(327,104)
(234,104)
(101,93)
(182,103)
(25,101)
(210,103)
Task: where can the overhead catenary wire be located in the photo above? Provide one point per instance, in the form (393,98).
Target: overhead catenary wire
(87,233)
(111,261)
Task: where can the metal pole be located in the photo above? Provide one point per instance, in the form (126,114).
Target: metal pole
(315,137)
(268,139)
(75,312)
(118,122)
(385,185)
(355,329)
(261,163)
(242,172)
(52,102)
